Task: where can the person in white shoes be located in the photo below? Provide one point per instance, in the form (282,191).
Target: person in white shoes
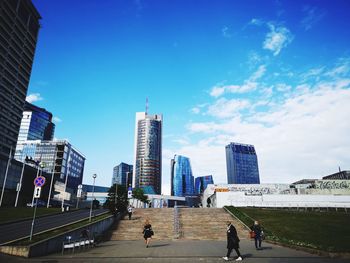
(232,242)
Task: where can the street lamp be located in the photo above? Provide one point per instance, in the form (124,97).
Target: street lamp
(92,200)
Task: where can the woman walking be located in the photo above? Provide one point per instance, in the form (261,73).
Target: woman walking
(147,232)
(232,242)
(256,228)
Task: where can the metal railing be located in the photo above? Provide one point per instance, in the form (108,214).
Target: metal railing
(177,230)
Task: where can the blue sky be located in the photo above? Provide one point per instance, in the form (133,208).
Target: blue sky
(275,74)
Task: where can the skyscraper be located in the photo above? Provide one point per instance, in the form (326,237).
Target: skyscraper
(242,164)
(202,182)
(148,153)
(36,124)
(182,180)
(19,27)
(120,174)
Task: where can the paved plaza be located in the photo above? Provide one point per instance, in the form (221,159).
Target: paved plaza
(177,251)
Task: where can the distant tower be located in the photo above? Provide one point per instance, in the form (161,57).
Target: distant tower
(182,180)
(120,174)
(242,164)
(202,182)
(147,172)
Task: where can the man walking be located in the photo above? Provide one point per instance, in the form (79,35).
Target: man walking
(232,242)
(130,211)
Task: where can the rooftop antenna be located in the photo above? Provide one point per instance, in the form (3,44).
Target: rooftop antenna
(146,105)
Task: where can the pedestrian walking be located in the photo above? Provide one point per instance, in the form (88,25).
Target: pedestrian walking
(147,232)
(258,234)
(232,242)
(130,211)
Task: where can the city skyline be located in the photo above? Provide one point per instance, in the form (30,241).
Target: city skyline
(274,74)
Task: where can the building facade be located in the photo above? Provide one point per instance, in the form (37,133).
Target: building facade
(121,174)
(36,124)
(19,27)
(60,159)
(148,153)
(202,182)
(242,164)
(182,183)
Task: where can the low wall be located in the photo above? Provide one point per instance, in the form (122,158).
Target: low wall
(220,199)
(54,244)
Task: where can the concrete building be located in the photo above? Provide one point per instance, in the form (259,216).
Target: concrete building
(148,153)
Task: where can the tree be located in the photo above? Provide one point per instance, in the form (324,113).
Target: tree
(119,200)
(138,194)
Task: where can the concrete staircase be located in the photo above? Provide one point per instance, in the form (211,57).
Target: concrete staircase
(161,220)
(195,224)
(207,224)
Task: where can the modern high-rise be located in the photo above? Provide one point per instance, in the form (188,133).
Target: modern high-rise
(182,180)
(36,124)
(148,153)
(120,174)
(19,27)
(61,159)
(202,182)
(242,164)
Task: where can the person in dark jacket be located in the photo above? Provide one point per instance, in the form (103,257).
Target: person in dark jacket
(232,242)
(147,232)
(258,234)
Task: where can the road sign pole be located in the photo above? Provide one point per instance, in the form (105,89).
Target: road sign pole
(32,228)
(37,175)
(20,183)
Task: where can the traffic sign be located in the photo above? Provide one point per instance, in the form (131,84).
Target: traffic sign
(79,193)
(37,191)
(39,181)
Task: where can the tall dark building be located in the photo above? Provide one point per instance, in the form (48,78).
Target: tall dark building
(242,164)
(202,182)
(19,27)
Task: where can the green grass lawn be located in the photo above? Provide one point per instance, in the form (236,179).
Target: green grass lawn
(12,214)
(327,231)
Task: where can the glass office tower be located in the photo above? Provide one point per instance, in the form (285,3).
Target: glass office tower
(36,124)
(120,174)
(148,153)
(19,27)
(202,182)
(242,164)
(62,160)
(182,180)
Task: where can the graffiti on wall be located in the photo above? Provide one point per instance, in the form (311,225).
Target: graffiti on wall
(333,184)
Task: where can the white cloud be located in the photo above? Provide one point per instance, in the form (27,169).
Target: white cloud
(224,108)
(256,22)
(34,97)
(225,32)
(248,85)
(56,119)
(304,135)
(278,38)
(312,16)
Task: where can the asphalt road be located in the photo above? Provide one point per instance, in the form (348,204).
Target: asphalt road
(14,231)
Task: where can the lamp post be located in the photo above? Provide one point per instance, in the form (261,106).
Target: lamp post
(92,200)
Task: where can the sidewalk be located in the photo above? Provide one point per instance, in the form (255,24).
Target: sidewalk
(178,251)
